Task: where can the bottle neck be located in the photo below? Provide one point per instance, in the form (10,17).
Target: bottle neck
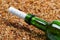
(37,22)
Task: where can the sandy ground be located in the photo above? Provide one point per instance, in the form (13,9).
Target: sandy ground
(14,28)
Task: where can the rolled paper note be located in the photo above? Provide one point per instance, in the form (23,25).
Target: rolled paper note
(17,12)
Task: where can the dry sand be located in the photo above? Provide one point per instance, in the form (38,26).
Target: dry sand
(14,28)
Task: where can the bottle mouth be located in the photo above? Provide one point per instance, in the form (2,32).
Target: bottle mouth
(17,12)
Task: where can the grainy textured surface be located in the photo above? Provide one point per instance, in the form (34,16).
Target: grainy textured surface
(14,28)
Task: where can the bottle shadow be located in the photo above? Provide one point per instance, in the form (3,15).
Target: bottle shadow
(21,27)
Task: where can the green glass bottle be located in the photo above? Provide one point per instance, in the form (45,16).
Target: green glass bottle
(52,29)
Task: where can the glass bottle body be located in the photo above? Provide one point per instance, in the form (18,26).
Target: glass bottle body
(53,30)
